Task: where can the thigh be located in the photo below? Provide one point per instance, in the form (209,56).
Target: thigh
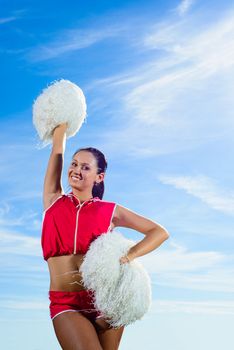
(109,337)
(75,332)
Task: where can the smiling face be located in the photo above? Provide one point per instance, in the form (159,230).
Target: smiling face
(82,172)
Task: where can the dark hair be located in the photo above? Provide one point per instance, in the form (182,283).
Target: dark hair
(98,189)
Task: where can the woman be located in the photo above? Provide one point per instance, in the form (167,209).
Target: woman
(70,223)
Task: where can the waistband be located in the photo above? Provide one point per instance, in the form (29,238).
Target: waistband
(82,291)
(74,294)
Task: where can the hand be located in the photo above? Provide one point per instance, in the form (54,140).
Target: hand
(61,127)
(124,259)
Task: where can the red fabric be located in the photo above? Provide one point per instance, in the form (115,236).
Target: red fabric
(81,301)
(69,227)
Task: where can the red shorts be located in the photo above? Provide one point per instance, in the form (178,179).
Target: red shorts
(81,301)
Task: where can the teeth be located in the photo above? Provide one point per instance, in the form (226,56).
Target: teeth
(75,178)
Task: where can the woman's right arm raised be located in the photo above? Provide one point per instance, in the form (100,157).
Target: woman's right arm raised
(52,182)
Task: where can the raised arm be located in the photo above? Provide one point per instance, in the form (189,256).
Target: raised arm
(52,182)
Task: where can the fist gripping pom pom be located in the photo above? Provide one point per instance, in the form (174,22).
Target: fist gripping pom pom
(61,102)
(122,292)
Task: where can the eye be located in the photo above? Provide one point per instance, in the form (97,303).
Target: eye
(84,167)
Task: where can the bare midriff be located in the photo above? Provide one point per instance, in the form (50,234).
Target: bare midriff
(64,272)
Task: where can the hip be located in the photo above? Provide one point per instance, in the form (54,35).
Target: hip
(75,301)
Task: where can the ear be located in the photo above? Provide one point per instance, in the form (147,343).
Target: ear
(100,177)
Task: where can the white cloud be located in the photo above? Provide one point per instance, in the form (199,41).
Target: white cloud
(179,259)
(184,6)
(4,209)
(216,280)
(23,304)
(71,40)
(16,15)
(210,307)
(179,268)
(14,243)
(188,64)
(28,218)
(191,59)
(205,189)
(7,19)
(21,196)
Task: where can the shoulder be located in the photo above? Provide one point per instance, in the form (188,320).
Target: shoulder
(107,207)
(106,204)
(54,201)
(120,214)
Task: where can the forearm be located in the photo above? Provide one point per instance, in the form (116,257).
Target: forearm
(52,182)
(153,239)
(59,138)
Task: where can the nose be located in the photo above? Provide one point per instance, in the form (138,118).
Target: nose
(77,171)
(73,169)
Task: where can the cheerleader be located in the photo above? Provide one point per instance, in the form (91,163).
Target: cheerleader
(71,222)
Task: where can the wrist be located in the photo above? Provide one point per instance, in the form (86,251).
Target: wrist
(130,256)
(61,128)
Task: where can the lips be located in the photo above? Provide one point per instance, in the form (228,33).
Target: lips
(75,178)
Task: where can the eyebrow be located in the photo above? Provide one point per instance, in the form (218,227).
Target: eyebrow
(81,163)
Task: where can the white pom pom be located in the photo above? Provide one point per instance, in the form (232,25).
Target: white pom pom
(63,101)
(122,292)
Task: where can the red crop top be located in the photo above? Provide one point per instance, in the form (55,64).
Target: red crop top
(68,226)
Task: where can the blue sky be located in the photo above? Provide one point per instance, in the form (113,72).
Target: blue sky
(158,79)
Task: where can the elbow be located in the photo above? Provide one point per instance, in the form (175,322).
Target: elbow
(163,231)
(165,234)
(160,230)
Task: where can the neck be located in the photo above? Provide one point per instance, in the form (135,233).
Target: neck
(81,196)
